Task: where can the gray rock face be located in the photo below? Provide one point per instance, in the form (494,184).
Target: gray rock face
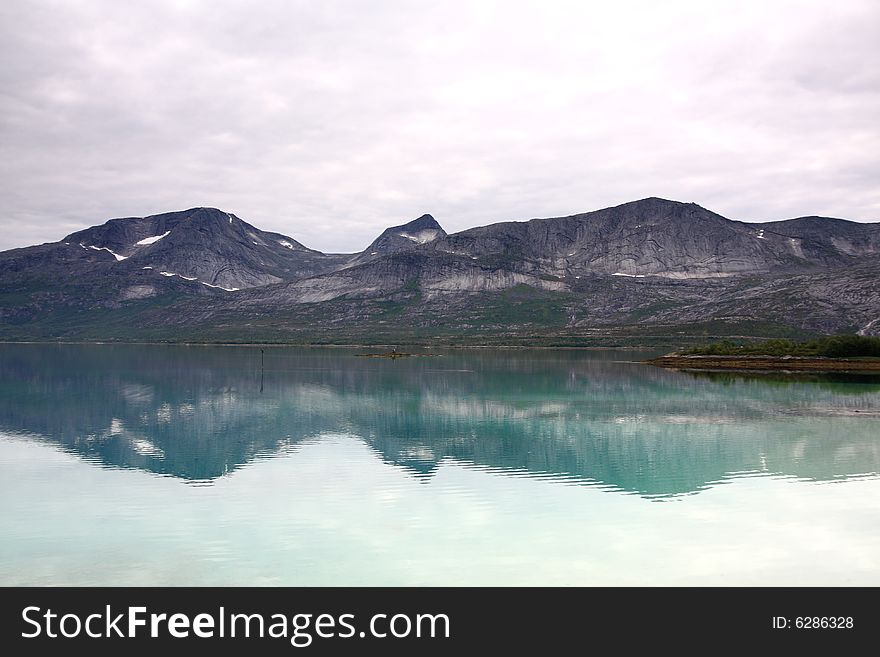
(655,237)
(646,265)
(209,245)
(652,238)
(827,241)
(430,273)
(833,300)
(405,237)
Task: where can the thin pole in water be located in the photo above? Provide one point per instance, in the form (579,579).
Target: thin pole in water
(261,370)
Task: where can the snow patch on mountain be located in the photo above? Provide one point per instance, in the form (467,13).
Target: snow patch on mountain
(422,237)
(220,287)
(152,240)
(119,258)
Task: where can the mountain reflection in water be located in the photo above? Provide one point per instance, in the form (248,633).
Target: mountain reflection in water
(198,413)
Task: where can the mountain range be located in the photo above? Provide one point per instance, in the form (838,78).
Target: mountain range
(649,270)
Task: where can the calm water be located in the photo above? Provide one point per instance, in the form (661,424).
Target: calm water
(123,465)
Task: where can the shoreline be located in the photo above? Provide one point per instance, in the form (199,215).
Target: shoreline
(766,363)
(353,345)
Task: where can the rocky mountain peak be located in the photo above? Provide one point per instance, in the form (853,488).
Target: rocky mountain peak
(659,208)
(425,222)
(407,236)
(202,245)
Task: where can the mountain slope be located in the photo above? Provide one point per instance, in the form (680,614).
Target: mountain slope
(656,237)
(207,244)
(405,237)
(649,267)
(132,262)
(652,238)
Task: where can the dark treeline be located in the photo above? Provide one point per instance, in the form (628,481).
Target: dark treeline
(836,346)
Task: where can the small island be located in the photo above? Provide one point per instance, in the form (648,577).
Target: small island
(393,355)
(840,353)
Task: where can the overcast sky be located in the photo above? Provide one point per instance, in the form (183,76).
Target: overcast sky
(329,121)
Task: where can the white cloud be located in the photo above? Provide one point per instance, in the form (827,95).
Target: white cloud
(331,121)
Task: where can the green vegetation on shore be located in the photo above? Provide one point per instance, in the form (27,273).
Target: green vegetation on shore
(836,346)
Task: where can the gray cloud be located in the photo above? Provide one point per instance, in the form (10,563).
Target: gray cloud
(329,121)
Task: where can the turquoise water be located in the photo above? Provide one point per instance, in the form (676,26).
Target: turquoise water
(164,465)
